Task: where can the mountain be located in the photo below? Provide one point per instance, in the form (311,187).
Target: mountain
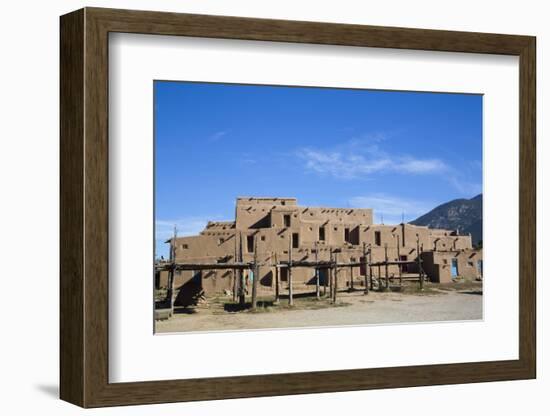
(462,214)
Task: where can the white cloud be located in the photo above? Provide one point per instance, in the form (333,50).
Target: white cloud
(391,207)
(466,188)
(217,136)
(360,158)
(340,165)
(408,165)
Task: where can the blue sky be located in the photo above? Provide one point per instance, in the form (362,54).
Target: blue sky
(395,152)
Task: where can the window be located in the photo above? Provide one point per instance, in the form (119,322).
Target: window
(184,246)
(250,243)
(346,235)
(295,240)
(262,238)
(321,233)
(286,219)
(377,238)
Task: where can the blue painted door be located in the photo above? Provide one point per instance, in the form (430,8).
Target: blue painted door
(454,268)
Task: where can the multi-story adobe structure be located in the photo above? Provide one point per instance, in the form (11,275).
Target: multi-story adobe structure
(275,226)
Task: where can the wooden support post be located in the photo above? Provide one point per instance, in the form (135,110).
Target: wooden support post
(335,288)
(420,276)
(351,277)
(371,278)
(386,266)
(365,265)
(330,276)
(242,286)
(290,294)
(399,265)
(255,275)
(235,276)
(370,269)
(171,273)
(325,281)
(170,291)
(317,283)
(380,287)
(277,280)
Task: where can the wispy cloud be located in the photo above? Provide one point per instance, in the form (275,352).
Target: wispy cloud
(360,158)
(217,136)
(465,187)
(248,161)
(468,179)
(391,207)
(409,165)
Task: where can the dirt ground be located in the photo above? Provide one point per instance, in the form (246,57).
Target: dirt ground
(455,301)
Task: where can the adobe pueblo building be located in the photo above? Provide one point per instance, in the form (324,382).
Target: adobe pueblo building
(269,234)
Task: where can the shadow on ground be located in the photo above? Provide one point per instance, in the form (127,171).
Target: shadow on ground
(184,311)
(472,292)
(236,307)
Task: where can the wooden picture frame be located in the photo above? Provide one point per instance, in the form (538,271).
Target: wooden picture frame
(84,207)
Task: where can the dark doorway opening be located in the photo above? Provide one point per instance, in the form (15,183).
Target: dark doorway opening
(295,240)
(250,243)
(284,274)
(404,267)
(377,238)
(286,220)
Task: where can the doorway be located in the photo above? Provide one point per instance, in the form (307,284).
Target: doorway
(454,267)
(404,267)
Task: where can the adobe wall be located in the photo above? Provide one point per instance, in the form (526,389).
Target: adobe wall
(438,265)
(260,224)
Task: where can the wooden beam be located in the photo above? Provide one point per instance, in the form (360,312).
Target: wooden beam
(325,281)
(331,276)
(242,288)
(420,277)
(317,287)
(386,266)
(335,288)
(255,275)
(399,265)
(370,269)
(235,277)
(290,294)
(170,294)
(277,281)
(204,266)
(365,268)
